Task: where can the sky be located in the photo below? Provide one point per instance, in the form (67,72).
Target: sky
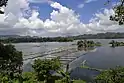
(50,18)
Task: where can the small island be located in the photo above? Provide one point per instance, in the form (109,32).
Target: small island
(116,43)
(87,45)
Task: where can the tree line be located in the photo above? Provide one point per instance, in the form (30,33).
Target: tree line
(37,39)
(19,39)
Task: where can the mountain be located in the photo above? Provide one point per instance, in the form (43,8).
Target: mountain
(108,35)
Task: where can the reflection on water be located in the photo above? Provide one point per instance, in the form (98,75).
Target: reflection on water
(106,57)
(85,74)
(103,58)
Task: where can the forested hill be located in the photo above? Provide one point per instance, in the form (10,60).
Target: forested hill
(107,35)
(18,39)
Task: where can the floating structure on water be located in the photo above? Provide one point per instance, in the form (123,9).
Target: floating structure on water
(66,55)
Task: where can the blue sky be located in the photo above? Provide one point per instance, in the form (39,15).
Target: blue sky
(86,12)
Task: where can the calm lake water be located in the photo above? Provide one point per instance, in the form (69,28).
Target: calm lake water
(29,48)
(104,57)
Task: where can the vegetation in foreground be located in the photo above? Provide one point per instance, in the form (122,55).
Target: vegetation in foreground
(115,75)
(11,62)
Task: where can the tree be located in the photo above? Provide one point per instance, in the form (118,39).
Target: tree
(115,75)
(3,3)
(10,61)
(66,75)
(112,43)
(45,68)
(87,45)
(119,12)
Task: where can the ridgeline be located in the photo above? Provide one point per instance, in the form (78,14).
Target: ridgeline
(19,39)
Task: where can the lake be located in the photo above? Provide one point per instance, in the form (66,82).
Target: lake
(103,58)
(29,48)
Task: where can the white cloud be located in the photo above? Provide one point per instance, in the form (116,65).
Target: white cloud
(80,5)
(101,22)
(62,22)
(40,1)
(89,1)
(85,2)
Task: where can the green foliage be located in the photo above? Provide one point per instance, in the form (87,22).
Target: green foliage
(66,76)
(29,77)
(44,68)
(74,81)
(10,61)
(115,75)
(3,78)
(115,43)
(98,44)
(85,45)
(79,81)
(119,12)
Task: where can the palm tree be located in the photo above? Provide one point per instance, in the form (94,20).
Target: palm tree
(80,44)
(66,75)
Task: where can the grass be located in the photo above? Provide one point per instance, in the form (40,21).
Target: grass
(79,81)
(86,67)
(75,81)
